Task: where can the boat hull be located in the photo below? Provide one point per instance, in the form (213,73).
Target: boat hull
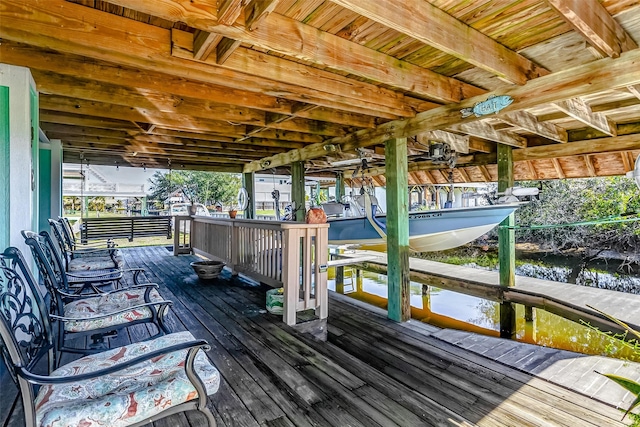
(429,231)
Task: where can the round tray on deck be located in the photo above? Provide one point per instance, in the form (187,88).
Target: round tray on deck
(207,269)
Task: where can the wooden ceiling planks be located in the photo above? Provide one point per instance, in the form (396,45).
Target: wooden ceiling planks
(342,73)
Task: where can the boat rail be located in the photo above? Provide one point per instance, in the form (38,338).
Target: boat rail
(291,255)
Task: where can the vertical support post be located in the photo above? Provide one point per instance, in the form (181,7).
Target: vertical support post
(290,275)
(144,209)
(339,186)
(248,182)
(506,243)
(19,137)
(340,279)
(399,308)
(297,190)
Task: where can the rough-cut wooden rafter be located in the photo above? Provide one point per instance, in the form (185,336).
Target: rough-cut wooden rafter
(256,11)
(589,163)
(204,43)
(635,90)
(292,38)
(598,76)
(580,110)
(592,20)
(485,130)
(558,167)
(71,28)
(527,121)
(430,25)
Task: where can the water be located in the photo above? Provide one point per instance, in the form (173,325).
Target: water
(447,309)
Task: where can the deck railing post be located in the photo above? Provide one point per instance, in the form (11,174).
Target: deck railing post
(235,246)
(290,274)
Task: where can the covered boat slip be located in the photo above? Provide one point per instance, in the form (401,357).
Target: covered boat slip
(565,299)
(370,371)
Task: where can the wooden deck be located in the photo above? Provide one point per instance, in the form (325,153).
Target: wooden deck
(370,371)
(565,299)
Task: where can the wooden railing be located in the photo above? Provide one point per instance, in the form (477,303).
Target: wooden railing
(288,254)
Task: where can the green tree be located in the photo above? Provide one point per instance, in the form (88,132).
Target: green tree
(578,200)
(198,186)
(97,204)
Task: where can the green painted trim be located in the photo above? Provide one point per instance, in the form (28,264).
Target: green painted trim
(248,182)
(5,169)
(340,192)
(44,187)
(297,190)
(506,243)
(399,308)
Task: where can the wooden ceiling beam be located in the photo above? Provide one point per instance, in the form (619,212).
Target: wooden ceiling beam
(93,122)
(292,38)
(97,70)
(367,98)
(485,173)
(482,129)
(143,99)
(529,122)
(580,110)
(426,23)
(204,43)
(256,11)
(635,90)
(155,146)
(558,167)
(591,19)
(65,27)
(605,74)
(120,112)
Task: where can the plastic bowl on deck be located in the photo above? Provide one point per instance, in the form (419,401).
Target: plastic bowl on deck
(207,270)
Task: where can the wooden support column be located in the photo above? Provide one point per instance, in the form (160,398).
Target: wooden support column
(506,243)
(397,229)
(297,190)
(339,186)
(248,182)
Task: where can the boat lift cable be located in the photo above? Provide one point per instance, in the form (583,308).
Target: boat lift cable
(608,220)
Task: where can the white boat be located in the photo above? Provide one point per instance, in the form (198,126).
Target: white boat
(432,230)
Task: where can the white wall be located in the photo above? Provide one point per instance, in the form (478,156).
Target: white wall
(22,210)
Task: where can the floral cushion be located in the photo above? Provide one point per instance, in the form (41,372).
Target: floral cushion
(93,263)
(128,396)
(102,252)
(109,303)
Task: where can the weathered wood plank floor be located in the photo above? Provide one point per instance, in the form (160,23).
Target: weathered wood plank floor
(370,372)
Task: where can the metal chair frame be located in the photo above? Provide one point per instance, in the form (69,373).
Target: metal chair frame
(28,341)
(56,283)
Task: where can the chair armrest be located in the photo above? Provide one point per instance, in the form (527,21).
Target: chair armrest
(101,293)
(151,305)
(192,346)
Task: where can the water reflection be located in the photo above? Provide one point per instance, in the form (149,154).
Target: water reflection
(448,309)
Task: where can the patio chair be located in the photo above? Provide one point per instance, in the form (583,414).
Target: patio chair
(92,279)
(73,243)
(125,386)
(99,315)
(59,227)
(89,259)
